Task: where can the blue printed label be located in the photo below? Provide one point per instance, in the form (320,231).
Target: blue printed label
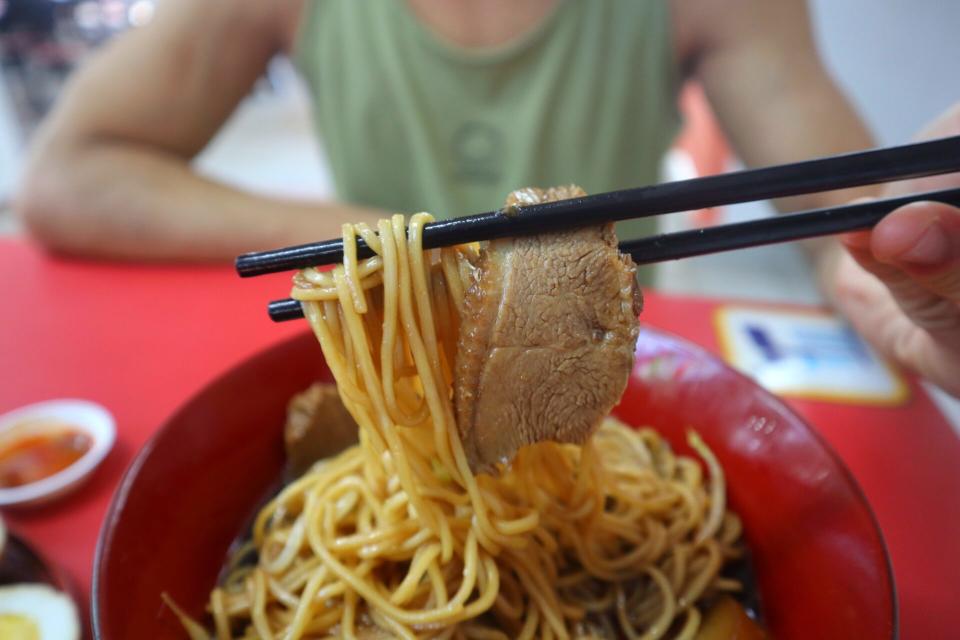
(809,354)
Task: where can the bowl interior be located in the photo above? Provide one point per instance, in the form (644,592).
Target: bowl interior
(819,558)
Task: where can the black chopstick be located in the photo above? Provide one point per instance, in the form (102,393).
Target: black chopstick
(754,233)
(785,228)
(811,176)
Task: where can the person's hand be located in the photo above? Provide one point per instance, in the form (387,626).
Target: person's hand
(899,284)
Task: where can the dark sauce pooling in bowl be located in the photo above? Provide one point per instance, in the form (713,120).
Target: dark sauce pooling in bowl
(748,597)
(243,554)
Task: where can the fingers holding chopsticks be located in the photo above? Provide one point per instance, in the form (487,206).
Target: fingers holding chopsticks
(910,308)
(913,325)
(915,252)
(900,284)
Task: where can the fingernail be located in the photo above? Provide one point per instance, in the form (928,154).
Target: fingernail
(931,248)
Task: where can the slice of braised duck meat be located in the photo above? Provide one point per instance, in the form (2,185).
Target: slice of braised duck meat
(318,426)
(547,337)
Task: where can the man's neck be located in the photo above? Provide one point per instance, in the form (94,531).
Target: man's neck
(480,24)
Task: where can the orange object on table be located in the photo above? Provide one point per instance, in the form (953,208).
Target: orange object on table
(142,339)
(702,139)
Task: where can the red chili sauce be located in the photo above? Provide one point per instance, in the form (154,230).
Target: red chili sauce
(39,450)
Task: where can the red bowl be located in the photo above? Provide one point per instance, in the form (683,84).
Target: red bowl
(820,562)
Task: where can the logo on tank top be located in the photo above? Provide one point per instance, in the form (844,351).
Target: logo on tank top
(477,148)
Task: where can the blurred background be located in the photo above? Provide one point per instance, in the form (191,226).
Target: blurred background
(896,59)
(912,43)
(43,41)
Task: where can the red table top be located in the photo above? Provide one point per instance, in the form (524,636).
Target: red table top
(142,339)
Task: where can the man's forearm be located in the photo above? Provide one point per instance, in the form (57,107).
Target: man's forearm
(119,201)
(819,121)
(776,100)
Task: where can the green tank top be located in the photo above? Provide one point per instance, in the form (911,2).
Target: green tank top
(412,123)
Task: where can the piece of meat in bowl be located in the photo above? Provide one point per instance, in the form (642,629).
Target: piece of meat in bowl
(318,426)
(547,337)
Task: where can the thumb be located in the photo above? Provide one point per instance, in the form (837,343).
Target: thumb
(923,241)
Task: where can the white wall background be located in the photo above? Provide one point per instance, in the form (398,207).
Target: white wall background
(899,60)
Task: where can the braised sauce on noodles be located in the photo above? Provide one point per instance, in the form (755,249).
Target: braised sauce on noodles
(397,537)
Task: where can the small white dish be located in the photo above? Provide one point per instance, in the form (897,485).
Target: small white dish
(89,417)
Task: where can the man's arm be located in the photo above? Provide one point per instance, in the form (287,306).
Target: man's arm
(899,285)
(760,69)
(110,172)
(761,72)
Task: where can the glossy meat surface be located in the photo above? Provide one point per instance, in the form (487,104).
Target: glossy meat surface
(547,337)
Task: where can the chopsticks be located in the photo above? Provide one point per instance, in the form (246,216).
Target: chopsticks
(810,176)
(784,228)
(753,233)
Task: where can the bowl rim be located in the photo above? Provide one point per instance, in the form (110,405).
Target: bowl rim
(701,352)
(91,418)
(130,474)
